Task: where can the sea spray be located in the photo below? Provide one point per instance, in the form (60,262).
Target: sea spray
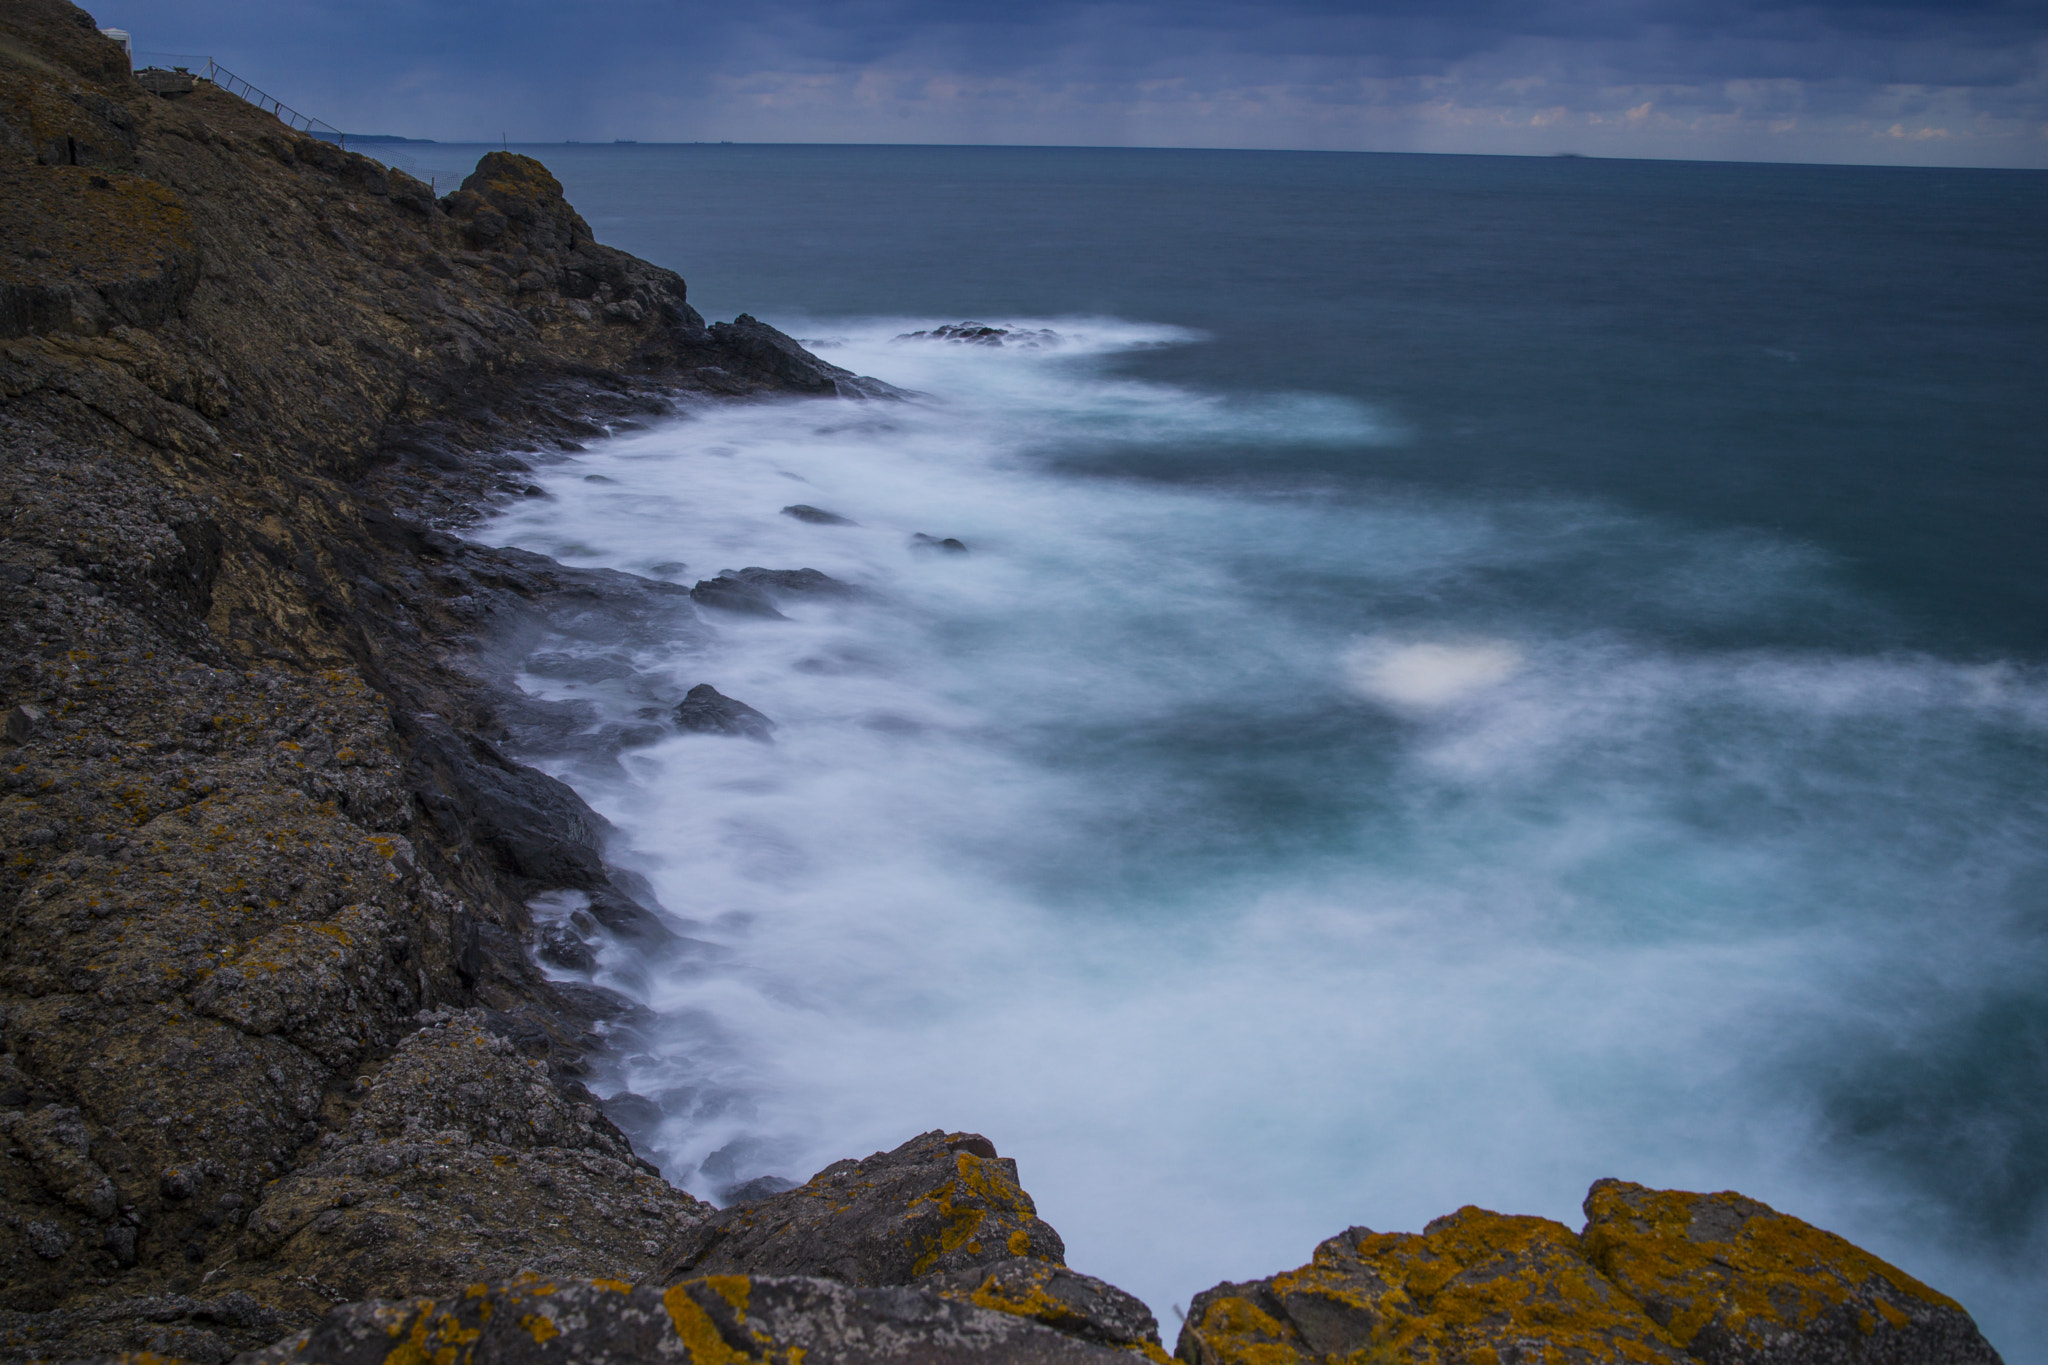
(1255,859)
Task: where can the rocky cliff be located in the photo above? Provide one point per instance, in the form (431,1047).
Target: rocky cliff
(277,1073)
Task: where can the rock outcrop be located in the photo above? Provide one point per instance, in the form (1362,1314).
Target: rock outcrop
(1656,1276)
(271,1037)
(716,1320)
(941,1202)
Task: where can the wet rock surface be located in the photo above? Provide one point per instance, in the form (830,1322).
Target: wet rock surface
(816,516)
(981,334)
(708,711)
(1657,1276)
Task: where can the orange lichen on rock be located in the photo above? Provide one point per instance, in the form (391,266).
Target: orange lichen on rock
(1657,1275)
(1734,1280)
(1469,1288)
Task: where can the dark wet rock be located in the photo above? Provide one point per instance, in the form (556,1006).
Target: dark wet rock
(735,1319)
(706,710)
(536,827)
(817,516)
(800,582)
(780,357)
(940,1202)
(1062,1299)
(949,545)
(735,595)
(1658,1275)
(981,334)
(564,947)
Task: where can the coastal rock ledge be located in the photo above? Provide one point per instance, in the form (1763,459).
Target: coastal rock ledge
(933,1253)
(281,1081)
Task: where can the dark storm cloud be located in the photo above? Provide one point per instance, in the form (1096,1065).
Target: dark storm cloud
(1227,70)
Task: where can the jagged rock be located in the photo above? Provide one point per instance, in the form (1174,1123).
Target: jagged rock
(717,1320)
(776,354)
(1063,1299)
(1735,1282)
(1658,1276)
(706,710)
(940,1202)
(816,516)
(465,1160)
(250,821)
(734,595)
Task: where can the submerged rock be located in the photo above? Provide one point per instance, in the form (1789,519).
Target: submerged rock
(950,546)
(706,710)
(811,582)
(816,516)
(941,1202)
(981,334)
(735,595)
(1658,1275)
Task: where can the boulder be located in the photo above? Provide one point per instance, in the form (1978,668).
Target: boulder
(1657,1275)
(706,710)
(1735,1282)
(941,1202)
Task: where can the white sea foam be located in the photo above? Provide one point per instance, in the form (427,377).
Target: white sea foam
(1428,675)
(1234,865)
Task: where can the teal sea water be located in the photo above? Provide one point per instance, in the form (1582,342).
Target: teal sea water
(1472,675)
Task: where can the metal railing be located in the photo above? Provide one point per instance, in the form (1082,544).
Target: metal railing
(191,64)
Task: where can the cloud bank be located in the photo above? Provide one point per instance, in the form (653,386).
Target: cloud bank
(1963,82)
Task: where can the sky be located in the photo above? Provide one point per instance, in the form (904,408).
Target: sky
(1924,82)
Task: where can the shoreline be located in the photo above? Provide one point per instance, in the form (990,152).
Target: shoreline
(276,1043)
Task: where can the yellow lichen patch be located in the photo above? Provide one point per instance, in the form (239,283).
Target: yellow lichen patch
(1020,1243)
(1701,1259)
(734,1289)
(615,1286)
(1475,1280)
(698,1331)
(1238,1332)
(540,1327)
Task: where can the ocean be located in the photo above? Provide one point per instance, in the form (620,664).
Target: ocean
(1469,675)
